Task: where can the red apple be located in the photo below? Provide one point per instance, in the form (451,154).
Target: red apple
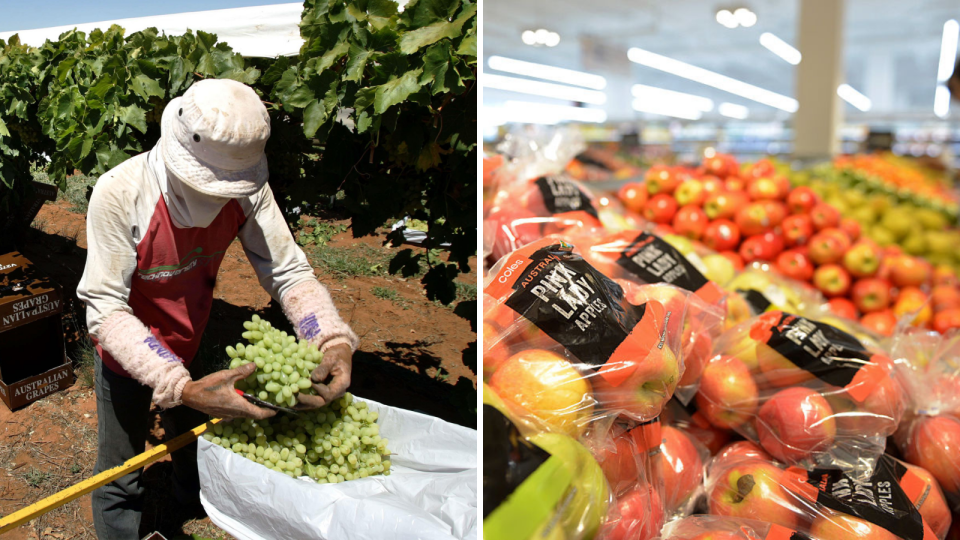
(633,195)
(851,227)
(642,395)
(637,515)
(661,179)
(736,452)
(496,348)
(711,184)
(843,308)
(933,506)
(754,490)
(722,205)
(882,322)
(797,229)
(681,466)
(802,200)
(696,353)
(794,264)
(907,271)
(934,444)
(760,168)
(945,275)
(758,248)
(690,192)
(546,385)
(621,460)
(824,216)
(721,165)
(728,395)
(832,280)
(863,258)
(775,210)
(871,294)
(753,219)
(795,424)
(719,535)
(826,248)
(763,189)
(878,414)
(913,302)
(733,183)
(945,297)
(833,525)
(690,221)
(721,235)
(660,209)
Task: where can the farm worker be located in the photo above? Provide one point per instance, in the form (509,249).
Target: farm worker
(157,229)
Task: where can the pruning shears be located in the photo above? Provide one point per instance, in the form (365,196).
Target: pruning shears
(261,403)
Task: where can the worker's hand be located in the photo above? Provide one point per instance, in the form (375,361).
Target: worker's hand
(214,395)
(337,363)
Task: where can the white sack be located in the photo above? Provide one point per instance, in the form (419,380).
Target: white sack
(431,492)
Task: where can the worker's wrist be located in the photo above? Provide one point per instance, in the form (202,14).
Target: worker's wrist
(178,390)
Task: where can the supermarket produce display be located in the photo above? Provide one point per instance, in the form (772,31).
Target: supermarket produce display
(745,350)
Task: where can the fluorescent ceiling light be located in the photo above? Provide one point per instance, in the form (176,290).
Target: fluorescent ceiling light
(700,75)
(732,110)
(671,97)
(726,18)
(667,109)
(745,17)
(851,96)
(941,102)
(543,89)
(553,39)
(780,48)
(526,112)
(529,37)
(948,49)
(550,73)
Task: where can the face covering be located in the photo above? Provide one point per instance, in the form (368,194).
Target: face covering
(187,206)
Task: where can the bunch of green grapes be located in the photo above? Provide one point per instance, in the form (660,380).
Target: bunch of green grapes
(283,363)
(335,443)
(28,133)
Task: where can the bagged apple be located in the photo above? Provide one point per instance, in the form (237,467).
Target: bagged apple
(539,485)
(627,452)
(895,501)
(692,421)
(566,339)
(725,528)
(929,436)
(806,391)
(680,467)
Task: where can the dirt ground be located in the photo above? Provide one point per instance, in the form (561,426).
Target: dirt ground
(411,355)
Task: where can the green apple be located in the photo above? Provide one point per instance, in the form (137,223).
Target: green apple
(719,268)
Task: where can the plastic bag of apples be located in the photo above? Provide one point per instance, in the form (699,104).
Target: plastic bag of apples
(929,435)
(806,391)
(537,484)
(706,527)
(896,501)
(637,258)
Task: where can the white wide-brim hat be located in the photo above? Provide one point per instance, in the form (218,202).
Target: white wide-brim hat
(212,138)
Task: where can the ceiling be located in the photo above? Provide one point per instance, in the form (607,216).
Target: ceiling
(891,54)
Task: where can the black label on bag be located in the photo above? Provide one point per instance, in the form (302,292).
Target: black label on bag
(827,352)
(508,458)
(755,299)
(653,260)
(561,195)
(879,499)
(571,302)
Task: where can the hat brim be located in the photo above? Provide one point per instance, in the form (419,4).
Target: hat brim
(201,176)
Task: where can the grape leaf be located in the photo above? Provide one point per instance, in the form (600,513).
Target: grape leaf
(396,90)
(413,41)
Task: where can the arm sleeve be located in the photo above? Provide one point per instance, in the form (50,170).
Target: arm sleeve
(105,288)
(285,273)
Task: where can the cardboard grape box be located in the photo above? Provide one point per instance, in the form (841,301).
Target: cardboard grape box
(33,360)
